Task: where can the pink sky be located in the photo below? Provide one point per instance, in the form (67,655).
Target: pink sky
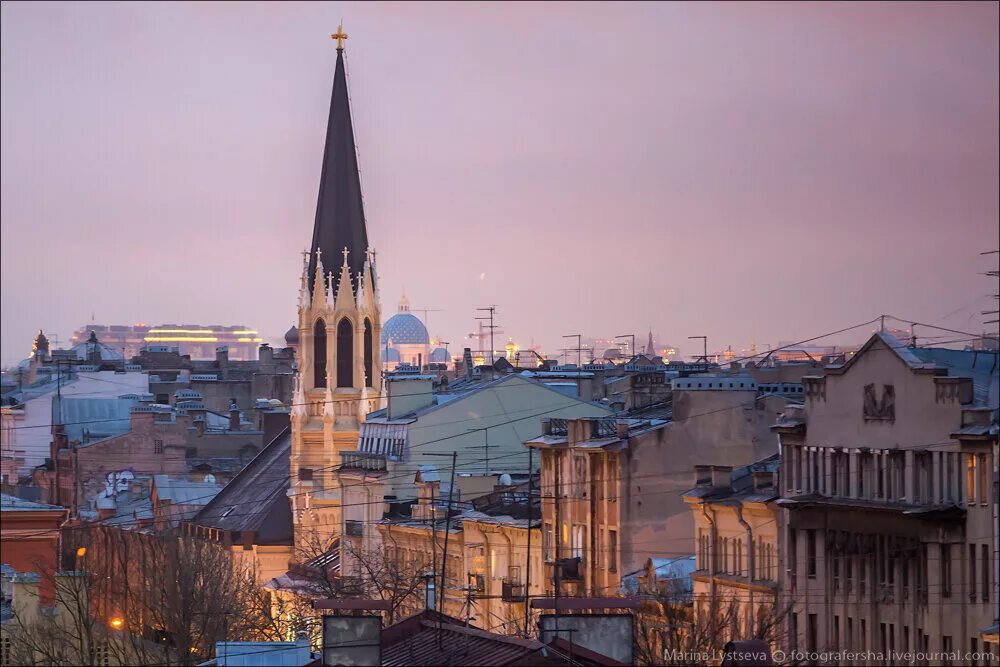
(769,171)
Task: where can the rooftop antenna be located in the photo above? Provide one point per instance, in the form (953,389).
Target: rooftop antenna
(704,348)
(425,311)
(993,273)
(632,336)
(578,348)
(491,309)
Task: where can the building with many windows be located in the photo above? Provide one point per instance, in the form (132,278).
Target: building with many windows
(195,340)
(736,526)
(888,494)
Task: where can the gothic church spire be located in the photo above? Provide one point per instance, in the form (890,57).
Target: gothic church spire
(340,215)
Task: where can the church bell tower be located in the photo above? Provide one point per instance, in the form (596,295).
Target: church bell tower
(339,324)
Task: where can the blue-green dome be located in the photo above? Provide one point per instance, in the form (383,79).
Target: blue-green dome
(405,329)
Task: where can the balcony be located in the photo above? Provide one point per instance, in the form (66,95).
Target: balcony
(568,569)
(354,528)
(363,461)
(512,591)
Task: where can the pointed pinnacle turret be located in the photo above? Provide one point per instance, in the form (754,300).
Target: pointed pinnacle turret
(345,290)
(304,290)
(330,289)
(318,277)
(340,215)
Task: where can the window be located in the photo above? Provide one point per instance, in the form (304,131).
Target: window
(813,633)
(985,563)
(613,550)
(579,540)
(793,558)
(848,574)
(949,475)
(863,460)
(368,352)
(579,476)
(984,495)
(811,553)
(547,536)
(319,354)
(946,570)
(157,446)
(970,478)
(972,570)
(345,353)
(905,570)
(835,566)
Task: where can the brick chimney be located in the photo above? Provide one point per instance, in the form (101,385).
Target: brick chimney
(763,480)
(265,354)
(222,361)
(722,476)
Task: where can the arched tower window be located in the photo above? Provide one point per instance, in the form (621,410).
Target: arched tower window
(319,355)
(368,352)
(345,354)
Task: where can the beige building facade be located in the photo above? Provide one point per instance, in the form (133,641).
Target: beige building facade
(888,494)
(613,489)
(735,585)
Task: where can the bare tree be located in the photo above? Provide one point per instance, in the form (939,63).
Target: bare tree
(393,574)
(671,629)
(139,598)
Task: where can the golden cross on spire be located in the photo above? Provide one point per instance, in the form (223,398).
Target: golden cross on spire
(340,36)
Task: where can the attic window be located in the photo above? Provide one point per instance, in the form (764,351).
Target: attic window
(228,512)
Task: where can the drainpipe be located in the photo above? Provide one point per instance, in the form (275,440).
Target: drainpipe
(712,539)
(750,564)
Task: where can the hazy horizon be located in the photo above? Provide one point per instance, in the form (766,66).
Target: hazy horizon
(761,172)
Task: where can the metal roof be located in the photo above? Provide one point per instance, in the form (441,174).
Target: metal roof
(434,639)
(255,499)
(9,503)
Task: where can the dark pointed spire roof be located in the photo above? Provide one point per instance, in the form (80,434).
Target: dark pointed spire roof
(340,214)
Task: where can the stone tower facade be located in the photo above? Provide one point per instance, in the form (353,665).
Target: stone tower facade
(339,327)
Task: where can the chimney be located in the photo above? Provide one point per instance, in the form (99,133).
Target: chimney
(467,360)
(763,480)
(722,476)
(406,395)
(265,354)
(234,415)
(222,361)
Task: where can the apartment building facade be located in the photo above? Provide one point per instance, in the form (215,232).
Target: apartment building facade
(888,495)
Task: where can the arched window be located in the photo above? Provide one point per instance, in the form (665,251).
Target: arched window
(345,354)
(368,352)
(319,354)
